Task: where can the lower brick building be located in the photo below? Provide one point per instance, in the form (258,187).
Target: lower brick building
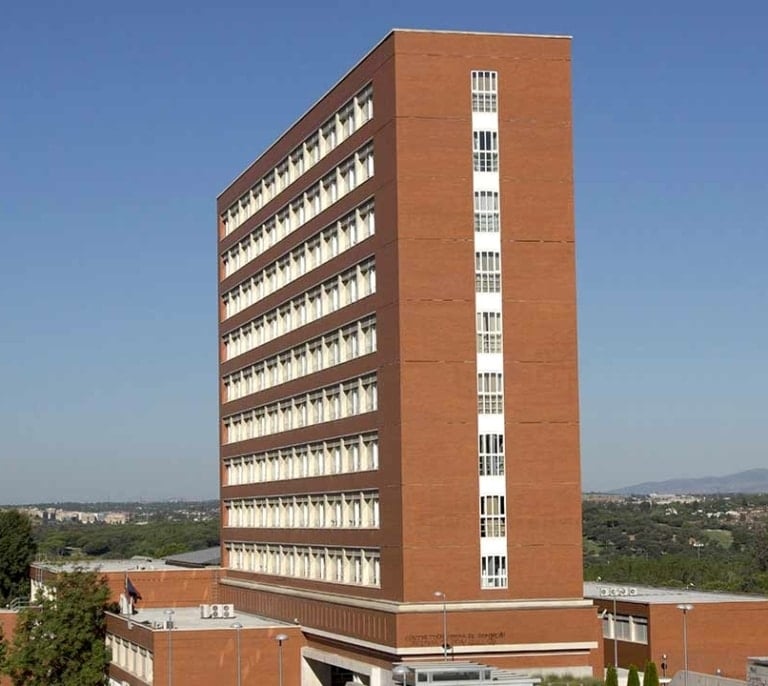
(643,623)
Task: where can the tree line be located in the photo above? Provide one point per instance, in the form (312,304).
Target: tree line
(716,543)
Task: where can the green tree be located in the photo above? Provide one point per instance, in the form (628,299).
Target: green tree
(61,642)
(633,678)
(17,550)
(651,674)
(611,677)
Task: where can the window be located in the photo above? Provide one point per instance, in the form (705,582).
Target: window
(491,454)
(492,516)
(485,149)
(487,211)
(490,393)
(487,272)
(493,571)
(484,91)
(489,332)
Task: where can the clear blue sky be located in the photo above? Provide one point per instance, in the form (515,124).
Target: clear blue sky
(121,122)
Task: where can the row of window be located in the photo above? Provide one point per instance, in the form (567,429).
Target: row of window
(317,250)
(131,657)
(332,348)
(493,516)
(353,171)
(361,566)
(337,292)
(350,117)
(484,91)
(350,230)
(357,453)
(625,628)
(359,510)
(493,571)
(353,397)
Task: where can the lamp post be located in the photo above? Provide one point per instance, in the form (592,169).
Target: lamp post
(169,627)
(686,608)
(614,592)
(280,638)
(237,626)
(440,594)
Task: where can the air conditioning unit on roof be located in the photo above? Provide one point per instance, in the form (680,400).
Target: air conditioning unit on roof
(217,611)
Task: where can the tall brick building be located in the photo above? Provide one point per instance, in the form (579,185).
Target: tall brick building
(398,364)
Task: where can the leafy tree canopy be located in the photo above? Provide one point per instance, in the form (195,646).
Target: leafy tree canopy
(17,551)
(62,641)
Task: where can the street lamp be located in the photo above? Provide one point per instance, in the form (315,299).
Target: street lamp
(169,625)
(280,638)
(440,594)
(614,592)
(237,626)
(686,608)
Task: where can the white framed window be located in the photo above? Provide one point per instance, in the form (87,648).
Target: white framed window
(493,571)
(491,454)
(493,518)
(489,332)
(484,91)
(485,151)
(487,272)
(487,211)
(490,393)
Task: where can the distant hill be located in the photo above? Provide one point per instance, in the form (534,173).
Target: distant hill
(751,481)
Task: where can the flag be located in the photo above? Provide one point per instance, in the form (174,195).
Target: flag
(131,590)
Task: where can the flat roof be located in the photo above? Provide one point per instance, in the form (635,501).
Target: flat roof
(655,595)
(143,564)
(188,618)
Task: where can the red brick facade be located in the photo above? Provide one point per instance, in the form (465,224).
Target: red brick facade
(426,419)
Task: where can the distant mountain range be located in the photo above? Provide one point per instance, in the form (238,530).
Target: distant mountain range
(751,481)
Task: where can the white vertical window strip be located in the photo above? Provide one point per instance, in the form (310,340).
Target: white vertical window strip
(335,130)
(488,311)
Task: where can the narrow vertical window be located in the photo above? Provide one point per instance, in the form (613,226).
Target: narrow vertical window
(484,91)
(485,151)
(487,272)
(491,454)
(492,516)
(487,211)
(490,393)
(489,332)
